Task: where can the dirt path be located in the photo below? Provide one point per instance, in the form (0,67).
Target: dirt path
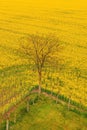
(12,109)
(59,100)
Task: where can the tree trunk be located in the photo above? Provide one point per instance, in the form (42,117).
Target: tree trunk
(7,124)
(40,82)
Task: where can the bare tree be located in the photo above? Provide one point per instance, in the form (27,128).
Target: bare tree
(41,50)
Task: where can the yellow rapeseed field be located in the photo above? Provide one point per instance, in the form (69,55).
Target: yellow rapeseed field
(67,20)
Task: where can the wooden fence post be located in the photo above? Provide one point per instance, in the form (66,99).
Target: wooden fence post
(7,121)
